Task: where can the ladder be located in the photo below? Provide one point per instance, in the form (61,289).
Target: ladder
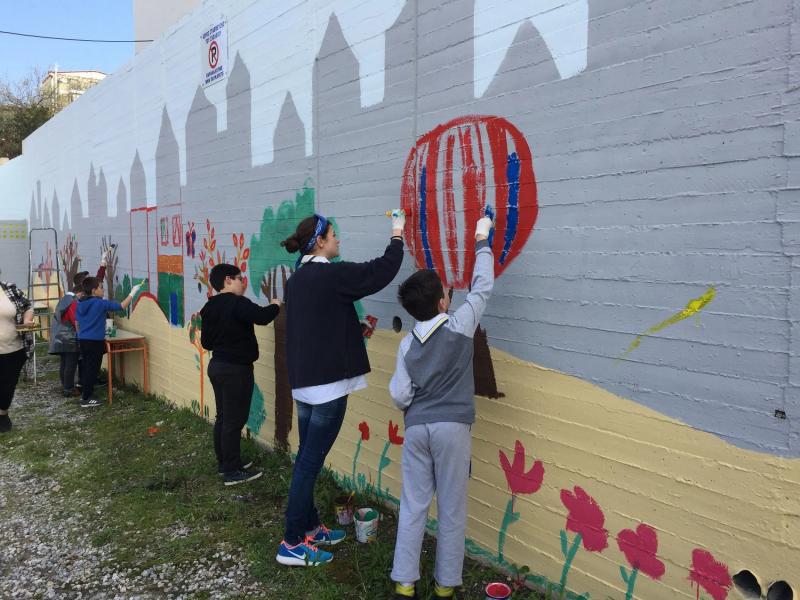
(43,305)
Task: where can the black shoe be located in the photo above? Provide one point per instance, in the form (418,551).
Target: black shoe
(244,467)
(402,597)
(91,403)
(238,477)
(5,423)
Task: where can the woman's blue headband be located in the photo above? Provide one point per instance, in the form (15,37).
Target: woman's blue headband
(320,229)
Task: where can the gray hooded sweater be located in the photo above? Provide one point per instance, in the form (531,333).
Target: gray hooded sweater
(433,380)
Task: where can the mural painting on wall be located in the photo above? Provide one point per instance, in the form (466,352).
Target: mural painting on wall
(109,249)
(357,481)
(497,178)
(70,259)
(519,482)
(169,263)
(692,309)
(270,267)
(258,412)
(209,256)
(195,328)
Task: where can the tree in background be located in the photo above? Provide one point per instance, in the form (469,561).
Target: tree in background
(25,105)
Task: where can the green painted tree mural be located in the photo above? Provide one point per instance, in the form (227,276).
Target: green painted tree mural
(258,413)
(270,267)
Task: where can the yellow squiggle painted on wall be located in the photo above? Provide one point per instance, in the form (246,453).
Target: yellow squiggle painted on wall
(693,308)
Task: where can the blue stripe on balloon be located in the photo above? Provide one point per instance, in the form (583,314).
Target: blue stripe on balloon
(423,218)
(512,175)
(489,212)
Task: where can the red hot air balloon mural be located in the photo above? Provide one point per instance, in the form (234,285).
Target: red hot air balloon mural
(453,174)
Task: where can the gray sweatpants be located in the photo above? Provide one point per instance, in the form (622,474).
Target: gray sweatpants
(436,458)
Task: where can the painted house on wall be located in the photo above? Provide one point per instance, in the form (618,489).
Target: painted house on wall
(638,430)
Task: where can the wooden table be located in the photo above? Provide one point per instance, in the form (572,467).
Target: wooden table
(123,342)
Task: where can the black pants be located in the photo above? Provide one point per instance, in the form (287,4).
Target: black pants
(233,391)
(92,358)
(10,368)
(68,363)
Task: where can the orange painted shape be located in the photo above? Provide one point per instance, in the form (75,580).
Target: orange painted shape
(170,263)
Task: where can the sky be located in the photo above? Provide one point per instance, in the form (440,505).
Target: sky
(106,19)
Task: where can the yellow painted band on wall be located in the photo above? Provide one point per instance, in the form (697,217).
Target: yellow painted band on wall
(692,309)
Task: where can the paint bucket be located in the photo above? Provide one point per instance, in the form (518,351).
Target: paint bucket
(497,591)
(343,509)
(366,520)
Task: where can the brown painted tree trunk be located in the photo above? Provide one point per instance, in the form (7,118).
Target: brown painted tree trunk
(283,390)
(483,369)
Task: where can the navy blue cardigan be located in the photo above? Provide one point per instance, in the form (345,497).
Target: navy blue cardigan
(324,342)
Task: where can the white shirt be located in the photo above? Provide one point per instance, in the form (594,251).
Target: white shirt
(320,394)
(9,339)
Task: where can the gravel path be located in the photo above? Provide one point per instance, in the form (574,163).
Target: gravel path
(45,538)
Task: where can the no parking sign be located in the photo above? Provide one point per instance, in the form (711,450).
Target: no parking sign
(214,53)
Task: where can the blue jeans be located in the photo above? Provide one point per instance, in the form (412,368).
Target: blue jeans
(318,426)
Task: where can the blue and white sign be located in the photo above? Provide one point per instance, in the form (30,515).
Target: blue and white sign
(214,53)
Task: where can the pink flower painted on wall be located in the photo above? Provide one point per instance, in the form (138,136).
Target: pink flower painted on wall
(586,519)
(519,482)
(709,574)
(640,548)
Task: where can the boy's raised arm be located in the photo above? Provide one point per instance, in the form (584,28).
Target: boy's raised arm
(465,320)
(250,312)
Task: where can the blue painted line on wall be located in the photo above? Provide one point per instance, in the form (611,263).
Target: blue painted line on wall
(423,218)
(512,175)
(489,212)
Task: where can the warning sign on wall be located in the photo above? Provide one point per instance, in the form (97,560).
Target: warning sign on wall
(214,53)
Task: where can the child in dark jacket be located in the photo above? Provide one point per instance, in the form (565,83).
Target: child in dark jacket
(433,385)
(91,316)
(227,331)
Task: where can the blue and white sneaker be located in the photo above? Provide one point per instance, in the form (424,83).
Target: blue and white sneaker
(304,554)
(322,536)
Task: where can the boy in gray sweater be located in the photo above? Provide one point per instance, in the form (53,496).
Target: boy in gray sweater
(433,385)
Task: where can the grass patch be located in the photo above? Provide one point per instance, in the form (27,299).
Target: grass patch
(158,498)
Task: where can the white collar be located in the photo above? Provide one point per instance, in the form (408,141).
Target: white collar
(70,293)
(425,329)
(313,258)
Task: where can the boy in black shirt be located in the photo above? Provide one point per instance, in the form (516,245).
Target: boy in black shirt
(227,331)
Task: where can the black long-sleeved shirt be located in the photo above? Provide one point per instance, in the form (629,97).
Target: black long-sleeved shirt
(227,327)
(324,342)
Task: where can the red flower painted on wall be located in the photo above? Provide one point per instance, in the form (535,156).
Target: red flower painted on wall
(364,429)
(709,574)
(586,519)
(384,461)
(242,254)
(640,548)
(519,482)
(395,439)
